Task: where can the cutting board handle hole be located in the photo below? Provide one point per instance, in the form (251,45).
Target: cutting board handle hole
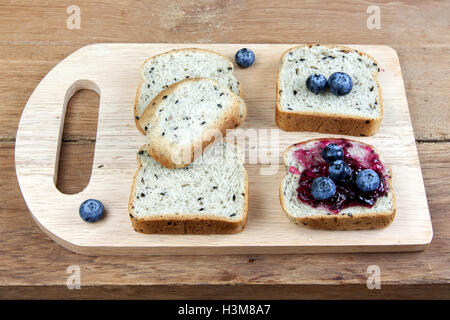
(76,152)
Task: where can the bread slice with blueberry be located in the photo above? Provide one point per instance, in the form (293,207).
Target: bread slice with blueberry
(337,184)
(208,196)
(328,89)
(163,70)
(185,118)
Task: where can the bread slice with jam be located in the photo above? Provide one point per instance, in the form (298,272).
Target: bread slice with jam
(349,208)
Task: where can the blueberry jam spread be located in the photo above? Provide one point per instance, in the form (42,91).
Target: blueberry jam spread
(348,191)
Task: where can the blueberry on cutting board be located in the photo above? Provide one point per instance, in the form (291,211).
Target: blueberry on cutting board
(91,210)
(244,58)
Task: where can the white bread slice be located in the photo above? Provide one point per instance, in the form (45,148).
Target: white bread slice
(208,196)
(359,113)
(163,70)
(181,118)
(380,215)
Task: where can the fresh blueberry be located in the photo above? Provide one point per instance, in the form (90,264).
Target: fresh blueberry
(91,210)
(244,58)
(316,83)
(323,188)
(367,180)
(340,83)
(339,170)
(332,152)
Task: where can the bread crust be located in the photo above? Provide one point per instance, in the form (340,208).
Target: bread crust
(342,221)
(161,150)
(138,92)
(327,123)
(190,224)
(136,112)
(244,114)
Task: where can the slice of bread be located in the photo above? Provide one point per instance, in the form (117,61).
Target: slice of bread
(319,216)
(358,113)
(208,196)
(180,120)
(163,70)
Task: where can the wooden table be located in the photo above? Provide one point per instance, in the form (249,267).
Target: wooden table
(34,38)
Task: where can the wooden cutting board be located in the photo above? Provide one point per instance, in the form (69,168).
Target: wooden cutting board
(112,70)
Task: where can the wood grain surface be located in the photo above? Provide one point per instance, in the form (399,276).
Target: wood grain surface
(34,38)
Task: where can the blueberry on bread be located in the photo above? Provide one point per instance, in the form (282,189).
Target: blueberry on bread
(351,103)
(183,119)
(163,70)
(351,193)
(340,84)
(316,83)
(208,196)
(367,180)
(323,188)
(339,170)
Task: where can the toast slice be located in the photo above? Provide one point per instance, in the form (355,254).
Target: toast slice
(348,209)
(185,118)
(358,113)
(208,196)
(163,70)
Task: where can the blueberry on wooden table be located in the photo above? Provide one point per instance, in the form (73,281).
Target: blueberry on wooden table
(340,83)
(367,180)
(323,188)
(91,210)
(244,58)
(316,83)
